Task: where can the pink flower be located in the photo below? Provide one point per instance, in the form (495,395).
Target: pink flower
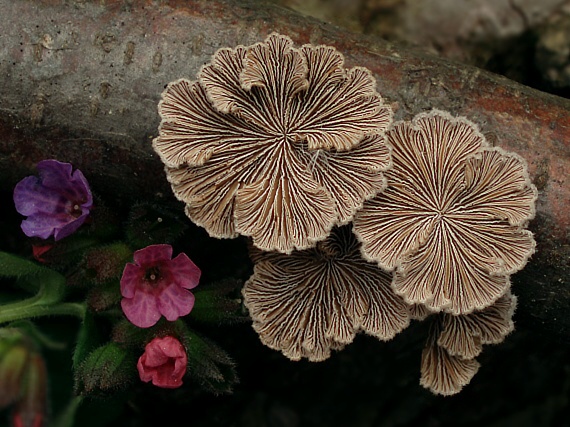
(157,285)
(163,362)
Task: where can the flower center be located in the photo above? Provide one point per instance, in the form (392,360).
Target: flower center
(76,210)
(152,275)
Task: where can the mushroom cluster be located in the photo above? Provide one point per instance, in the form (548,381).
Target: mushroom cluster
(451,227)
(355,223)
(274,142)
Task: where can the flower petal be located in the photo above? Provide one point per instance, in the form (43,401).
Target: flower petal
(174,302)
(30,198)
(58,176)
(164,362)
(43,226)
(185,273)
(149,256)
(141,310)
(132,276)
(69,227)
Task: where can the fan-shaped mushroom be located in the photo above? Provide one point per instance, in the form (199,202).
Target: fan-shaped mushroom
(448,360)
(259,145)
(451,223)
(312,301)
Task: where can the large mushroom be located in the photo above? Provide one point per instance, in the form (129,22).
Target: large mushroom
(274,142)
(451,223)
(448,359)
(314,301)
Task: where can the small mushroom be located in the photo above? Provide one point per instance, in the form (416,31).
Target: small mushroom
(451,222)
(448,360)
(443,373)
(274,142)
(311,302)
(464,336)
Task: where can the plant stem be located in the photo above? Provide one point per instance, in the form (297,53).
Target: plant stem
(20,310)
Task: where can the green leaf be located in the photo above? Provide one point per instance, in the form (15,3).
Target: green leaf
(15,266)
(88,338)
(219,303)
(125,333)
(209,364)
(108,368)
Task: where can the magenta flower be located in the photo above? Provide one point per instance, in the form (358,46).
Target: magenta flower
(163,362)
(56,203)
(157,285)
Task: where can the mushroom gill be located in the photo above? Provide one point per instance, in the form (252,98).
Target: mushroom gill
(451,222)
(274,142)
(311,302)
(448,359)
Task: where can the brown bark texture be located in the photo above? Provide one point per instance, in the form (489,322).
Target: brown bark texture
(81,81)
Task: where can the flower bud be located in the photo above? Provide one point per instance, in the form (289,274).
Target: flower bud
(12,367)
(163,362)
(31,408)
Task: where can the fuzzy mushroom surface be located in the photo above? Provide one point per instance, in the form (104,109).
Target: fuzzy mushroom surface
(311,302)
(452,222)
(274,142)
(448,359)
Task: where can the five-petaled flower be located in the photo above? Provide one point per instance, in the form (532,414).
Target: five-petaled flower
(56,203)
(163,362)
(157,285)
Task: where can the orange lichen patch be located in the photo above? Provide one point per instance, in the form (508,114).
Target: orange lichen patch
(451,223)
(274,142)
(314,301)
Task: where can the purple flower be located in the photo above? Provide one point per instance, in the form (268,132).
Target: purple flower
(56,203)
(157,285)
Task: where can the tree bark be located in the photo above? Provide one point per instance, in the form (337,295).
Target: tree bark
(82,80)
